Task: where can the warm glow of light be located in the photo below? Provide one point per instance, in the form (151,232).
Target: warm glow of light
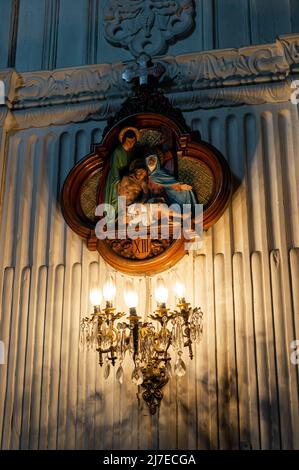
(109,289)
(130,295)
(161,291)
(95,296)
(179,288)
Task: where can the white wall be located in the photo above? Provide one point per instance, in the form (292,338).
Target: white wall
(241,386)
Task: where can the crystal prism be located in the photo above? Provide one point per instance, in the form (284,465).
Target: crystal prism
(120,374)
(169,369)
(107,371)
(137,376)
(180,367)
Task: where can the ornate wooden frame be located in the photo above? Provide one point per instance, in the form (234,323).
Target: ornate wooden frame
(198,152)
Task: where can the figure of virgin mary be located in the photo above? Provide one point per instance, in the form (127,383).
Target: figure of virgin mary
(176,193)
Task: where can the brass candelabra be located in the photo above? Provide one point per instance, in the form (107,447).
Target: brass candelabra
(150,343)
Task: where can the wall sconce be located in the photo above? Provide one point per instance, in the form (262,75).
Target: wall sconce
(153,344)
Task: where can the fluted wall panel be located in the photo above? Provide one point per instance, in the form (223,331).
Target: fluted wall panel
(241,389)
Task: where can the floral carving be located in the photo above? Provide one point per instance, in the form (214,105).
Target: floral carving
(227,67)
(147,25)
(190,72)
(290,43)
(72,85)
(187,101)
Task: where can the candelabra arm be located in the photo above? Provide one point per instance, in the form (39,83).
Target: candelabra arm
(135,339)
(134,324)
(101,362)
(188,342)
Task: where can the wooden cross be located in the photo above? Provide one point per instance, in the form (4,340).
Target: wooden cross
(143,71)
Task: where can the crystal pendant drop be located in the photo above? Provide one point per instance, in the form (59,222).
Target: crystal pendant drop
(137,376)
(180,367)
(193,335)
(169,369)
(107,370)
(120,374)
(82,340)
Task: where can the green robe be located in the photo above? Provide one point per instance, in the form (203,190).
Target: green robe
(119,159)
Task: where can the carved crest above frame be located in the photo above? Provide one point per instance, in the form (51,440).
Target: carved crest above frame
(147,26)
(149,156)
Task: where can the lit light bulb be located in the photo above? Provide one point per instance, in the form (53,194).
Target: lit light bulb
(109,289)
(95,296)
(179,288)
(130,295)
(161,291)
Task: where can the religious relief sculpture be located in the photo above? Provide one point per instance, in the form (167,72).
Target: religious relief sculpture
(141,174)
(135,198)
(146,192)
(147,25)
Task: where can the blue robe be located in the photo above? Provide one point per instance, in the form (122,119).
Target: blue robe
(164,178)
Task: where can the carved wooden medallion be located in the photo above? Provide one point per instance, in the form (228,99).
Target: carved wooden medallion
(151,160)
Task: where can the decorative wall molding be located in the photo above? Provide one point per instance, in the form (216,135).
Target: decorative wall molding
(290,44)
(229,77)
(71,85)
(228,67)
(219,68)
(147,25)
(233,96)
(186,101)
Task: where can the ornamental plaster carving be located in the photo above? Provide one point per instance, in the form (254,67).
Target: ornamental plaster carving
(221,68)
(290,44)
(250,75)
(231,67)
(69,85)
(186,101)
(233,96)
(147,25)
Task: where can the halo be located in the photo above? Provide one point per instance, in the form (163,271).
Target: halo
(129,128)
